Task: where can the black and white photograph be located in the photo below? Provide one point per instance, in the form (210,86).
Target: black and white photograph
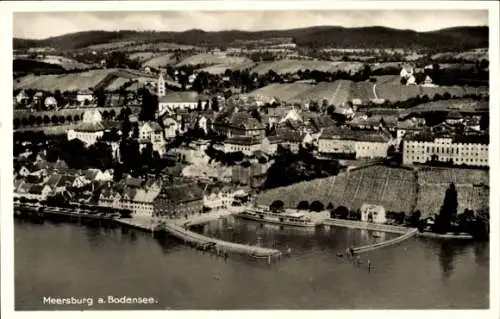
(213,156)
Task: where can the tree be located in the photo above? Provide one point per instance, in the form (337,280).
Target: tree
(303,205)
(277,205)
(62,119)
(200,106)
(448,210)
(126,127)
(76,118)
(215,104)
(54,119)
(46,119)
(341,212)
(317,206)
(329,206)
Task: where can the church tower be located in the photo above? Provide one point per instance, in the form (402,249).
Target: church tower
(161,85)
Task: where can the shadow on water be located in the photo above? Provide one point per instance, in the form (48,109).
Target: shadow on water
(448,251)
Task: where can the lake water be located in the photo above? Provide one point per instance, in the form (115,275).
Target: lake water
(69,260)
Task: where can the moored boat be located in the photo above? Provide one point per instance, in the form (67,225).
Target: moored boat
(288,218)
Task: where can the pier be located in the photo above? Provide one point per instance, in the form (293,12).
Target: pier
(190,237)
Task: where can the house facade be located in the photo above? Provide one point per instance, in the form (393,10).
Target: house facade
(354,143)
(179,200)
(153,133)
(421,149)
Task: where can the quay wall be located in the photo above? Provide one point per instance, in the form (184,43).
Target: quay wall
(364,225)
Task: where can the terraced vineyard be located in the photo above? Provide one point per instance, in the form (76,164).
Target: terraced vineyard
(393,188)
(472,188)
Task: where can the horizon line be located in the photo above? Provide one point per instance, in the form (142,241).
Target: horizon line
(138,30)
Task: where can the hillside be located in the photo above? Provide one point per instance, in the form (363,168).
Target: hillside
(397,189)
(79,81)
(342,91)
(393,188)
(327,36)
(472,188)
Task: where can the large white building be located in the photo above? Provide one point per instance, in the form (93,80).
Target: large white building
(468,150)
(177,100)
(89,130)
(354,143)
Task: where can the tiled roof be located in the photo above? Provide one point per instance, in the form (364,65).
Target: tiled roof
(347,134)
(290,136)
(90,127)
(242,140)
(182,193)
(54,180)
(278,112)
(154,126)
(133,182)
(181,97)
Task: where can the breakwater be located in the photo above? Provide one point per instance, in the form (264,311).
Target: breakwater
(365,225)
(387,243)
(219,245)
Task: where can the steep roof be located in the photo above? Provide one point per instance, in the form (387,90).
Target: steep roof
(347,134)
(181,97)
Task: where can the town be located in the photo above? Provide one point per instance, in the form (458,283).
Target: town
(191,130)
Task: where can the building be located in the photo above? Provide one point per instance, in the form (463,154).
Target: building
(32,191)
(50,102)
(151,132)
(240,124)
(138,198)
(354,144)
(459,150)
(216,196)
(245,144)
(171,127)
(161,88)
(177,100)
(90,130)
(84,95)
(179,199)
(373,214)
(21,97)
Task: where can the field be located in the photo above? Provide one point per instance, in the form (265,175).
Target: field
(210,59)
(464,105)
(341,91)
(141,56)
(293,66)
(74,81)
(109,45)
(393,188)
(159,61)
(64,62)
(467,56)
(219,69)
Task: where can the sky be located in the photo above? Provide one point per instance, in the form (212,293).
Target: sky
(41,25)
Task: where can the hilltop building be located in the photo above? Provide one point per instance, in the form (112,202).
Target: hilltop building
(90,129)
(467,150)
(355,144)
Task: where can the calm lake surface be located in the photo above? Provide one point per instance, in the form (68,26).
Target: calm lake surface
(69,260)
